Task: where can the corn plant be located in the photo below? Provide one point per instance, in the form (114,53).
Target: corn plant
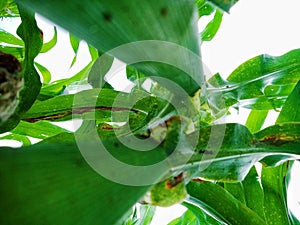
(164,141)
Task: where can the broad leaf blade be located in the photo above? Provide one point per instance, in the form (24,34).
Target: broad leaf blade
(275,208)
(223,202)
(290,111)
(240,150)
(253,192)
(263,82)
(41,129)
(237,190)
(105,99)
(99,69)
(106,25)
(256,120)
(51,182)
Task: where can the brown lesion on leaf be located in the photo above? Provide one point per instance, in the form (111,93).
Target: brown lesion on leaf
(77,111)
(199,180)
(172,120)
(278,140)
(174,181)
(106,127)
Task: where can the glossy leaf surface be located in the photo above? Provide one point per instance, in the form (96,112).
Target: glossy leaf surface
(262,83)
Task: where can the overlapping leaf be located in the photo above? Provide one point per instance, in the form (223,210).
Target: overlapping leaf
(222,202)
(51,182)
(8,8)
(172,23)
(50,44)
(261,83)
(223,4)
(240,150)
(30,34)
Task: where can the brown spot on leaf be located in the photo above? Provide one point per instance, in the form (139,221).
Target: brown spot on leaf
(173,118)
(198,180)
(174,181)
(105,127)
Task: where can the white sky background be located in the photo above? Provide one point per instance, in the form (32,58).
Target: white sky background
(253,27)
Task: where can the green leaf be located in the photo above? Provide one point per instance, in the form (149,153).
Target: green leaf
(239,150)
(216,197)
(30,33)
(286,182)
(75,46)
(170,25)
(99,69)
(40,129)
(51,181)
(201,216)
(204,8)
(17,137)
(3,5)
(45,73)
(253,192)
(17,52)
(8,38)
(93,52)
(135,76)
(187,218)
(279,134)
(146,215)
(50,44)
(290,111)
(212,27)
(225,5)
(275,208)
(74,43)
(57,87)
(256,120)
(263,82)
(237,191)
(62,107)
(164,195)
(8,8)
